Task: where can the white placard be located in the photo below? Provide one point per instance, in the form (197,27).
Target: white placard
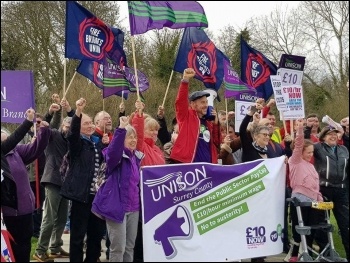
(241,108)
(290,76)
(280,98)
(295,106)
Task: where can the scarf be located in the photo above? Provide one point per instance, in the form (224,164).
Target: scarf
(259,149)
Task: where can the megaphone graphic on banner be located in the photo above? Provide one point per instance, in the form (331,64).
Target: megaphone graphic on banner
(177,226)
(211,98)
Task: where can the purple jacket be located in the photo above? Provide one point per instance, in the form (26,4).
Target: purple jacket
(120,193)
(18,158)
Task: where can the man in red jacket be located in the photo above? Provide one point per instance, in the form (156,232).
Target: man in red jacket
(198,138)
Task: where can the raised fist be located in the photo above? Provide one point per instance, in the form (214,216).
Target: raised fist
(30,114)
(55,98)
(189,73)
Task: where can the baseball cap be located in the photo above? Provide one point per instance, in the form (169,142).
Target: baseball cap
(325,131)
(197,94)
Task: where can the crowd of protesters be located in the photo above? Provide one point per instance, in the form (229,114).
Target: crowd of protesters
(75,148)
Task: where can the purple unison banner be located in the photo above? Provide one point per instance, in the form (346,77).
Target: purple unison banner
(17,94)
(235,210)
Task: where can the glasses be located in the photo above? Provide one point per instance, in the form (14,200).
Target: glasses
(265,134)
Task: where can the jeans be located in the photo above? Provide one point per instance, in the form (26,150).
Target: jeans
(122,237)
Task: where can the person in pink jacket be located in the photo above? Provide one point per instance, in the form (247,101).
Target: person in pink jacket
(304,181)
(147,135)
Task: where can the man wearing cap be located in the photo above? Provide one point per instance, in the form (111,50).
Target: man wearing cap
(198,138)
(331,163)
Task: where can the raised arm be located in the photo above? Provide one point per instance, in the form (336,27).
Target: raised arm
(114,151)
(30,152)
(163,133)
(19,133)
(181,103)
(74,135)
(138,123)
(297,155)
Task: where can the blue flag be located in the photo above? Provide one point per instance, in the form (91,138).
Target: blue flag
(256,70)
(197,51)
(88,37)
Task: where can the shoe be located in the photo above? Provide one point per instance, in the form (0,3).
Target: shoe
(42,257)
(293,259)
(60,254)
(286,249)
(66,231)
(260,259)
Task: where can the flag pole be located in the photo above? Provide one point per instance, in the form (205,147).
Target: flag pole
(103,109)
(122,96)
(64,83)
(226,117)
(284,122)
(134,56)
(69,85)
(167,89)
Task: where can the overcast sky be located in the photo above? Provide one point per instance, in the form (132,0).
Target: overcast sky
(223,13)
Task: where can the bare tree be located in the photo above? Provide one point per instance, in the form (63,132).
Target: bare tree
(32,38)
(318,30)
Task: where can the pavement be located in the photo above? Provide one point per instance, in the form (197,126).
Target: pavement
(65,237)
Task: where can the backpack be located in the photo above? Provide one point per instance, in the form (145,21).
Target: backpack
(64,167)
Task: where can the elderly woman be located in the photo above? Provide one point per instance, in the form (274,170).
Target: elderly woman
(254,143)
(331,162)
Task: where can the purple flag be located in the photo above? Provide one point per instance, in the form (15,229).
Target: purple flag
(233,84)
(111,78)
(147,15)
(131,77)
(17,95)
(95,72)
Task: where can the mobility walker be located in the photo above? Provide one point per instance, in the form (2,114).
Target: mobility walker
(328,254)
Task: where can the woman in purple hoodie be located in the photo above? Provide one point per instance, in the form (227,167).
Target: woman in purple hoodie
(118,199)
(19,222)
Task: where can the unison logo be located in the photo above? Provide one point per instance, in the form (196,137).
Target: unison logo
(292,64)
(176,182)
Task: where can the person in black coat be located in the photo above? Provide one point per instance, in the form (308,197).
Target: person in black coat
(84,160)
